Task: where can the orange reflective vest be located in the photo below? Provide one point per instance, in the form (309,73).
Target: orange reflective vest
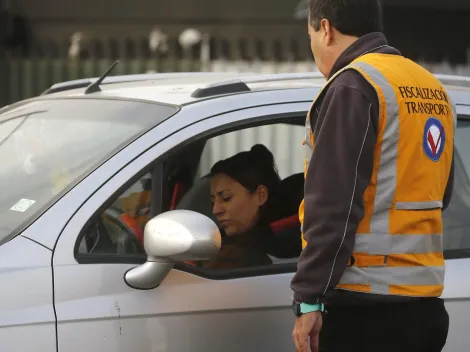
(398,248)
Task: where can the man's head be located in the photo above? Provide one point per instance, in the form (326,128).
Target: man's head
(333,25)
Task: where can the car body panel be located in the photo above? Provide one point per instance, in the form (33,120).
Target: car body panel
(97,311)
(95,297)
(120,308)
(456,296)
(185,313)
(116,178)
(177,88)
(456,292)
(27,314)
(63,210)
(185,117)
(464,109)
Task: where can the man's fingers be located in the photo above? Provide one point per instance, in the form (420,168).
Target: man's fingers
(314,342)
(307,326)
(301,341)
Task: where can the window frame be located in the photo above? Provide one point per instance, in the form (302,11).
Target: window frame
(156,170)
(205,129)
(220,127)
(463,113)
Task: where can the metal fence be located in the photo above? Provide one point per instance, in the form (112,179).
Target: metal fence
(284,141)
(25,78)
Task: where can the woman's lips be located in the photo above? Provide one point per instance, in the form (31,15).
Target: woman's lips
(224,222)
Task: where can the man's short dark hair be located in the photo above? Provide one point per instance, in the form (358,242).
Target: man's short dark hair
(349,17)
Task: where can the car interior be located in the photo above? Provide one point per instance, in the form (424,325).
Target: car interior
(121,226)
(120,229)
(190,191)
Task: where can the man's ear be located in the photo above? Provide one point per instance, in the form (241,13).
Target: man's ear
(262,195)
(327,30)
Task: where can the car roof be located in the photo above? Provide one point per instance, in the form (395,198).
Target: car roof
(184,88)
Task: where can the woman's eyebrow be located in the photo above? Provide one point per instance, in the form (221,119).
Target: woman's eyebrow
(221,192)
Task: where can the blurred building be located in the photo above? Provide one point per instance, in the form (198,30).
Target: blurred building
(432,30)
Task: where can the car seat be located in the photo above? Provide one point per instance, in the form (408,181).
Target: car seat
(288,242)
(180,182)
(197,198)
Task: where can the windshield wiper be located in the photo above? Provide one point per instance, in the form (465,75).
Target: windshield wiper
(24,117)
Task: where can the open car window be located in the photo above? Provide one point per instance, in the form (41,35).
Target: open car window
(285,143)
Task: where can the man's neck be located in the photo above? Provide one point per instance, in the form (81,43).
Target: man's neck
(343,42)
(372,42)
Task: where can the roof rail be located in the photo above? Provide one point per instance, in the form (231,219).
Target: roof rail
(221,87)
(283,77)
(240,85)
(85,82)
(462,81)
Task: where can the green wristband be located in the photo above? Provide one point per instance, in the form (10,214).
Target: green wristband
(308,308)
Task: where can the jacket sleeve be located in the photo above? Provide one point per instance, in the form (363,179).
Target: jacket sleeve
(339,171)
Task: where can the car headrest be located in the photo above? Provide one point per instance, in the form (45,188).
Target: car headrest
(292,193)
(179,190)
(197,198)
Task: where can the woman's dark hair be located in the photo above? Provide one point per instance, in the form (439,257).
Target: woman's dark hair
(251,169)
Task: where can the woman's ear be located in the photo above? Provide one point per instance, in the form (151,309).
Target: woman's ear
(261,195)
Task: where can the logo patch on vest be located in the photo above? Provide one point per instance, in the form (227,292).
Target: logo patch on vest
(434,138)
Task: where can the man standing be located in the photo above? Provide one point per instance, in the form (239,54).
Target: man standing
(378,174)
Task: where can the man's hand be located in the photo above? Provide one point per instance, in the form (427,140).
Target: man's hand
(308,325)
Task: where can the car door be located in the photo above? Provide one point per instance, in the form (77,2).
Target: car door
(97,311)
(457,240)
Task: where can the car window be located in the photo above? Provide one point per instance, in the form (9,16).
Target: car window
(456,217)
(284,141)
(119,229)
(47,146)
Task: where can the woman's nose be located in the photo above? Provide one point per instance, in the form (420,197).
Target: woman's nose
(217,209)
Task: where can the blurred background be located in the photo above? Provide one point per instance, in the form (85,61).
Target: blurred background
(43,42)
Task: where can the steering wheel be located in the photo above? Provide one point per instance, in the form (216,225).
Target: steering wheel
(117,233)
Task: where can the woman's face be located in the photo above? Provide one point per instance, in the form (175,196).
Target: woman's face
(236,209)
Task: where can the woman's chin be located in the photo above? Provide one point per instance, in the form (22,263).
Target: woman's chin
(229,231)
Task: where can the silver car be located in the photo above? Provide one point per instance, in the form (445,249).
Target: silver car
(104,207)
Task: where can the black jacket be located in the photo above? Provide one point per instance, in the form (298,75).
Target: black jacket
(344,151)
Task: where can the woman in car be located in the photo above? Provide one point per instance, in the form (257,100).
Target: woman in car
(244,194)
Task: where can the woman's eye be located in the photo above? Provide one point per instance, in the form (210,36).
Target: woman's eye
(227,199)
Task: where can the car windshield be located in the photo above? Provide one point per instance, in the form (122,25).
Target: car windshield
(47,146)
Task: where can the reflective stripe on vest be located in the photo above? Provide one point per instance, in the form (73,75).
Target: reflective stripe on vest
(308,144)
(398,247)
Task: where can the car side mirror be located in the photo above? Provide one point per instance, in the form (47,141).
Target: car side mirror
(176,235)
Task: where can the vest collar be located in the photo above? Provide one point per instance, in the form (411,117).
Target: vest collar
(372,42)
